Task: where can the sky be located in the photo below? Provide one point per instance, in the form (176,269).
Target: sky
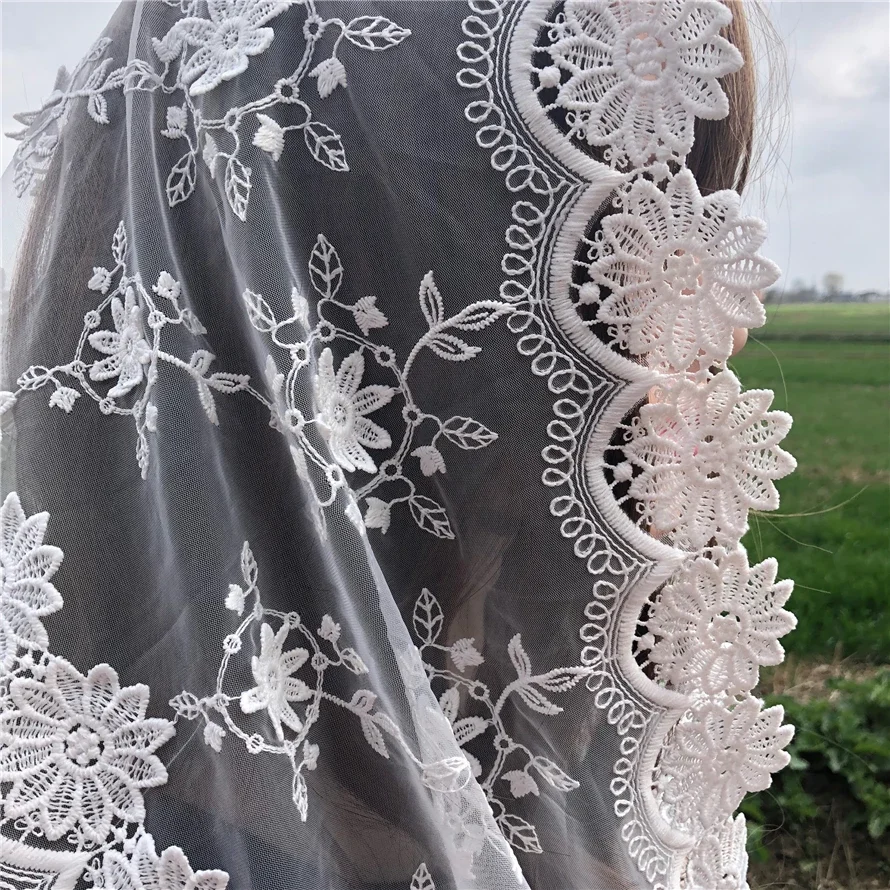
(825,195)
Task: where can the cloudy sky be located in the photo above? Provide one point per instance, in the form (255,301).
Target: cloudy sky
(826,197)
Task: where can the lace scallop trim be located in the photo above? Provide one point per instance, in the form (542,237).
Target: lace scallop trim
(666,279)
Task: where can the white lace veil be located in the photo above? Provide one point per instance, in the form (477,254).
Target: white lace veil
(367,361)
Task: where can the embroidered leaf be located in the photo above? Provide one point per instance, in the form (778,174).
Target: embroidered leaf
(431,460)
(181,181)
(368,316)
(449,702)
(468,433)
(97,49)
(430,516)
(228,383)
(64,397)
(452,348)
(186,704)
(200,361)
(422,879)
(300,796)
(259,311)
(235,598)
(521,783)
(119,243)
(7,400)
(374,736)
(238,187)
(97,108)
(467,728)
(431,301)
(270,136)
(377,515)
(375,32)
(34,377)
(207,401)
(248,565)
(448,775)
(520,660)
(325,146)
(142,453)
(560,679)
(352,660)
(301,307)
(192,323)
(536,700)
(363,700)
(325,268)
(331,74)
(464,654)
(553,774)
(519,833)
(477,316)
(427,617)
(213,735)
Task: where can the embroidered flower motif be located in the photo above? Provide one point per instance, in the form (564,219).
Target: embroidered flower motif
(79,750)
(125,347)
(275,686)
(145,870)
(640,73)
(720,861)
(342,407)
(708,454)
(716,623)
(26,565)
(225,41)
(718,756)
(682,272)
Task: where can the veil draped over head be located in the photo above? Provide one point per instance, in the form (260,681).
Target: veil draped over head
(366,361)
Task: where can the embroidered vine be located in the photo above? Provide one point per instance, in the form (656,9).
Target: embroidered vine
(196,55)
(133,346)
(487,721)
(329,412)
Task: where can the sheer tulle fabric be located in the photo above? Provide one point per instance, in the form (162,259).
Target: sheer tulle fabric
(343,545)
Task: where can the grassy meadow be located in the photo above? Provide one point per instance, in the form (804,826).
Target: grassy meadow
(825,824)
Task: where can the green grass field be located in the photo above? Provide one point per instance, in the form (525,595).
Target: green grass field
(836,384)
(827,321)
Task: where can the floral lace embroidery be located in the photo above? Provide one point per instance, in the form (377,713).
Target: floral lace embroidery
(666,278)
(321,413)
(716,623)
(633,77)
(701,456)
(681,272)
(77,752)
(329,412)
(205,51)
(528,687)
(133,350)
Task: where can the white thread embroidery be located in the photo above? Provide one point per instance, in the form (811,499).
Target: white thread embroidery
(204,52)
(133,350)
(634,76)
(77,752)
(327,412)
(529,688)
(666,278)
(706,454)
(716,623)
(681,272)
